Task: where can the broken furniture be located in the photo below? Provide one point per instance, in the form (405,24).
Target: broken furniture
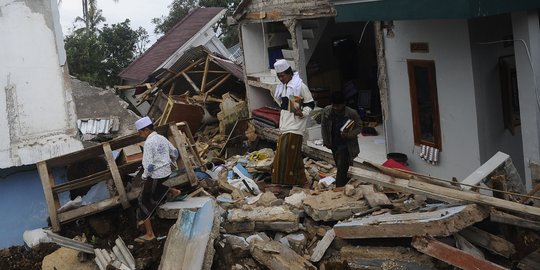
(166,109)
(114,172)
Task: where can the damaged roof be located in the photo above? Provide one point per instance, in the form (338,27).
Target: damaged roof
(160,51)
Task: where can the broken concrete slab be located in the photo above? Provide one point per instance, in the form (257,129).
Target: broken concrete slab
(297,241)
(373,197)
(239,245)
(381,254)
(322,246)
(65,259)
(276,218)
(296,200)
(452,255)
(441,222)
(489,241)
(170,210)
(333,206)
(190,242)
(276,256)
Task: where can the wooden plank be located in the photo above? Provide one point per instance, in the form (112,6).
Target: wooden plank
(505,218)
(463,244)
(489,241)
(50,197)
(476,198)
(531,262)
(83,182)
(95,207)
(218,84)
(117,179)
(441,222)
(375,198)
(184,127)
(205,74)
(181,144)
(188,79)
(481,173)
(451,255)
(322,246)
(396,184)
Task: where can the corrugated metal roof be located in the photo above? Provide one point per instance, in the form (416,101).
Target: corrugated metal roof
(96,126)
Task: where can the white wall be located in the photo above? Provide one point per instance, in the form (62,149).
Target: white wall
(526,29)
(491,131)
(449,47)
(37,116)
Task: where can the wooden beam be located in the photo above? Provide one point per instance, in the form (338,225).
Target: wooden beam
(505,218)
(483,171)
(451,255)
(95,207)
(210,71)
(218,84)
(181,144)
(86,181)
(396,184)
(190,81)
(117,179)
(476,198)
(489,241)
(205,74)
(171,89)
(531,262)
(182,71)
(51,198)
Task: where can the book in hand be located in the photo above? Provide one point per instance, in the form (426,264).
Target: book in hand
(295,103)
(348,126)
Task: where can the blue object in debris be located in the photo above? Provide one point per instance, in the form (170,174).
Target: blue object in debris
(202,175)
(239,169)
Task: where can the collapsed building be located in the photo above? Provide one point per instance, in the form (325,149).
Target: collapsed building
(234,218)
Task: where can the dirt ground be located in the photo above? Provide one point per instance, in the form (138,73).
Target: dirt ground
(101,230)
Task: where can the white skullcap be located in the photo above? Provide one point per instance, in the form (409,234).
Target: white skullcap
(281,65)
(143,122)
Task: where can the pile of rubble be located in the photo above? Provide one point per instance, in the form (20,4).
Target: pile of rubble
(235,218)
(390,220)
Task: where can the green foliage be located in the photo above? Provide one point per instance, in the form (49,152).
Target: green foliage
(97,57)
(180,8)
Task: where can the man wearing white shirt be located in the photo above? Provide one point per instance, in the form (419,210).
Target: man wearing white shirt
(296,102)
(157,155)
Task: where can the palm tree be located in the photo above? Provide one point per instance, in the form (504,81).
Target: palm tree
(92,16)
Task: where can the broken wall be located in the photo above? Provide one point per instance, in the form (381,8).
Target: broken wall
(36,106)
(279,9)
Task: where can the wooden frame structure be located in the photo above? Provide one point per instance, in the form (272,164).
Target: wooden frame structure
(179,134)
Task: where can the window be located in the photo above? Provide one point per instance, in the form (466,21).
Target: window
(425,108)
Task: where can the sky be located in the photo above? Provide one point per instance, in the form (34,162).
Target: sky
(140,12)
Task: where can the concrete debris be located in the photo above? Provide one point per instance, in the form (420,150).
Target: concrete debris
(333,206)
(235,216)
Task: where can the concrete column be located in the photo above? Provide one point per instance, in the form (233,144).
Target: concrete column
(301,52)
(526,30)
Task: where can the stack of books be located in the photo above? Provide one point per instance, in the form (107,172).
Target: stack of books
(348,126)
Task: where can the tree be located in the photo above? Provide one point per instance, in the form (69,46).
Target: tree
(92,16)
(180,8)
(98,57)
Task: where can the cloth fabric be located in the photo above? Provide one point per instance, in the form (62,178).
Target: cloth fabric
(157,155)
(352,140)
(288,167)
(288,122)
(143,122)
(390,163)
(341,157)
(153,193)
(281,65)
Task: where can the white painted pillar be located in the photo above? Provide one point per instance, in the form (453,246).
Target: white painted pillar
(526,30)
